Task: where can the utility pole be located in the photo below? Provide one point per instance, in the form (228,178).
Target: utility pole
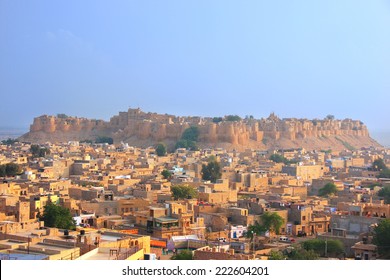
(219,240)
(326,247)
(28,245)
(254,237)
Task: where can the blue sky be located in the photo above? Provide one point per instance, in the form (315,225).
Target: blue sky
(304,59)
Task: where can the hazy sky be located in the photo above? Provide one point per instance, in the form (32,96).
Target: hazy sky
(205,58)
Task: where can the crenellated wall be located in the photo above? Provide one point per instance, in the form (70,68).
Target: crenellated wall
(135,124)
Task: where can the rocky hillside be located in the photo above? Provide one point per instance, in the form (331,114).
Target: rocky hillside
(145,129)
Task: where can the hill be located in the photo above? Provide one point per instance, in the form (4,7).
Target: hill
(145,129)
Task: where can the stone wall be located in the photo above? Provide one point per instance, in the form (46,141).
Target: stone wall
(135,124)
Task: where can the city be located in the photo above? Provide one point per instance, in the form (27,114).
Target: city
(249,137)
(100,199)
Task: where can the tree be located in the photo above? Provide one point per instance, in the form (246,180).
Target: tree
(9,141)
(278,158)
(276,255)
(324,247)
(166,174)
(183,192)
(384,174)
(379,165)
(302,254)
(191,134)
(385,193)
(57,216)
(10,169)
(382,238)
(217,119)
(161,150)
(211,171)
(34,149)
(329,117)
(269,221)
(38,151)
(232,118)
(183,255)
(255,229)
(272,221)
(187,144)
(327,190)
(104,139)
(188,139)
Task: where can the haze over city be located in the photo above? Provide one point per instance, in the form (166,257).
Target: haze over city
(200,130)
(297,59)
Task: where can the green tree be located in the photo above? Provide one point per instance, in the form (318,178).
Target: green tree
(276,255)
(191,145)
(188,139)
(327,190)
(181,144)
(34,149)
(217,119)
(269,221)
(329,117)
(161,149)
(187,144)
(10,169)
(212,171)
(272,221)
(166,174)
(9,141)
(191,134)
(324,247)
(382,238)
(183,192)
(379,165)
(104,139)
(38,151)
(232,118)
(255,229)
(384,174)
(57,216)
(278,158)
(385,194)
(183,255)
(302,254)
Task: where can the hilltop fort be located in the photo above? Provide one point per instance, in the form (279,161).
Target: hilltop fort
(145,129)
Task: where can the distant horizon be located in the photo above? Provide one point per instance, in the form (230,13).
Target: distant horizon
(301,59)
(382,136)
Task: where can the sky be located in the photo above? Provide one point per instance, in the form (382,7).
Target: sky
(303,59)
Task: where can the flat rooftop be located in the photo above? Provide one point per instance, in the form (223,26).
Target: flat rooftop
(26,257)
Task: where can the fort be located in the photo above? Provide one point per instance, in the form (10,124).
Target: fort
(144,129)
